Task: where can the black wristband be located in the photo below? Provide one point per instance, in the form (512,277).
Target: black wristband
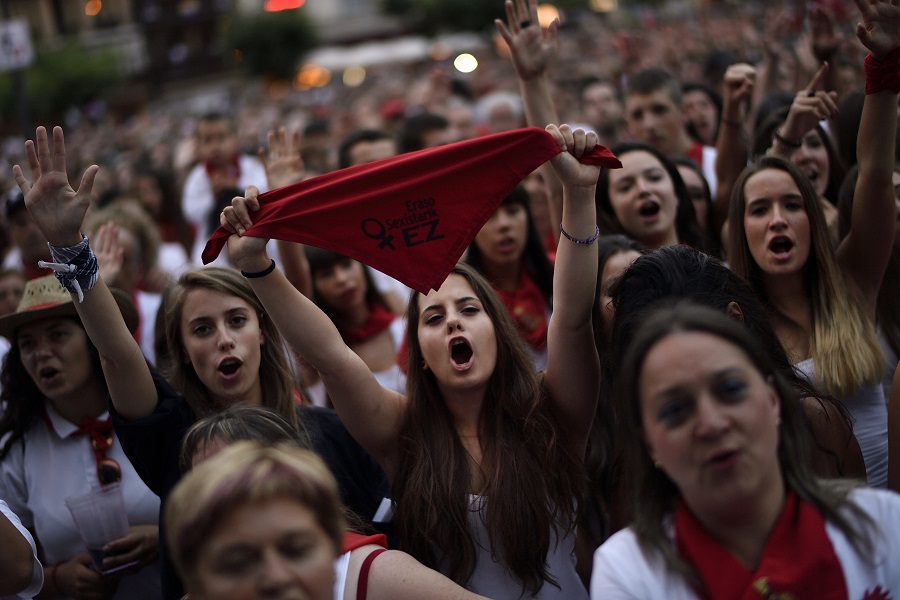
(789,143)
(259,274)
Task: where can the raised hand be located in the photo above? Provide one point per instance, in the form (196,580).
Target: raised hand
(575,144)
(109,251)
(283,163)
(247,253)
(879,30)
(532,48)
(809,107)
(57,209)
(738,84)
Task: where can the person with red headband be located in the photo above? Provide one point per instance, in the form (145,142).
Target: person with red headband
(484,455)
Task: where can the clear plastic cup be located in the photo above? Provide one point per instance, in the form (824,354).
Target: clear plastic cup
(100,517)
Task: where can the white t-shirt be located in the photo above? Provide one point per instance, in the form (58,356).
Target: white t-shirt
(37,574)
(48,466)
(623,571)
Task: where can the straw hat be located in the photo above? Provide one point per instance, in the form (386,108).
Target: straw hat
(45,298)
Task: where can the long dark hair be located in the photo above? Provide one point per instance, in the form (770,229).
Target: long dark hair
(22,400)
(320,259)
(276,378)
(845,352)
(656,495)
(532,476)
(534,257)
(762,140)
(686,227)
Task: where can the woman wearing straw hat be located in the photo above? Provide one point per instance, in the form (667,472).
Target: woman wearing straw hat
(59,443)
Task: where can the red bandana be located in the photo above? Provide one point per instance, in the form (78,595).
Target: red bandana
(378,320)
(409,216)
(798,560)
(528,309)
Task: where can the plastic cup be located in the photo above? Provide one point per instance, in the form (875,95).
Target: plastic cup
(100,517)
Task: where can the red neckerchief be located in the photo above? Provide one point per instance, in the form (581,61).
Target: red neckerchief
(352,541)
(798,560)
(378,320)
(409,216)
(528,309)
(98,431)
(695,153)
(233,168)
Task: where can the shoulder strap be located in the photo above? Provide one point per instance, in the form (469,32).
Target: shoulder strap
(362,582)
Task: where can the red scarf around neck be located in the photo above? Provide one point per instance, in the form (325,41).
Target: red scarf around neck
(410,216)
(798,560)
(528,309)
(378,320)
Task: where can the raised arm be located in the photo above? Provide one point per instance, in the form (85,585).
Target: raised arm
(372,414)
(284,166)
(731,143)
(58,211)
(864,253)
(532,49)
(573,369)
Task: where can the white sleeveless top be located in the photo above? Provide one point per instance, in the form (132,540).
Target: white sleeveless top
(869,412)
(492,579)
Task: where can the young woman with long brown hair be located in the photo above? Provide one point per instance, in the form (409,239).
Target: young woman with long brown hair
(484,455)
(823,299)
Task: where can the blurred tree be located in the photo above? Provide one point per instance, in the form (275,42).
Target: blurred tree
(62,77)
(270,44)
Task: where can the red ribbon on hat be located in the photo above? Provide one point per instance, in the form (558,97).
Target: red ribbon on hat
(409,216)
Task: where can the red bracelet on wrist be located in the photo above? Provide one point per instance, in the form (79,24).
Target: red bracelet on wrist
(883,75)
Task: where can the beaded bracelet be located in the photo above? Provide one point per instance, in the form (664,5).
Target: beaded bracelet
(581,242)
(75,267)
(258,274)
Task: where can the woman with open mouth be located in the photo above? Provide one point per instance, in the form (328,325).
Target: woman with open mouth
(58,442)
(823,299)
(725,502)
(222,351)
(647,200)
(484,455)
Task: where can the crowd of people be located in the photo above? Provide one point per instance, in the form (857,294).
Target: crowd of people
(673,375)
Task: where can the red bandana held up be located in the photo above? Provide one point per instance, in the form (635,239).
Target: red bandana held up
(797,562)
(409,216)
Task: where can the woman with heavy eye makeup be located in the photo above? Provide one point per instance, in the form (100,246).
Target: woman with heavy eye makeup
(725,504)
(484,455)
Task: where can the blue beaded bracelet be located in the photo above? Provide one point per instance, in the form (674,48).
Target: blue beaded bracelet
(581,242)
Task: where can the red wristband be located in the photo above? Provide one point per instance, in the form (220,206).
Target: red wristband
(884,75)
